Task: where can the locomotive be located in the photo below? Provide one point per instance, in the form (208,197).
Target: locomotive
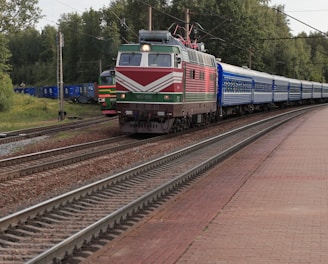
(165,84)
(107,92)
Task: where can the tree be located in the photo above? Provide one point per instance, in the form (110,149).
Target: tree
(71,27)
(6,92)
(6,88)
(16,15)
(99,43)
(25,47)
(247,32)
(91,49)
(4,54)
(47,65)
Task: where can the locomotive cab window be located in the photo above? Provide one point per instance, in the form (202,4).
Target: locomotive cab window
(130,59)
(160,60)
(107,79)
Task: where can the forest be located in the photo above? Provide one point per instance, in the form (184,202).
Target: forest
(240,32)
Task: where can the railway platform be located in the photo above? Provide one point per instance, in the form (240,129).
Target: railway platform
(266,204)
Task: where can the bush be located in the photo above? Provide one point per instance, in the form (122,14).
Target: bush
(6,92)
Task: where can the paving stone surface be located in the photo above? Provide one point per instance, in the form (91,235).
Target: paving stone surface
(266,204)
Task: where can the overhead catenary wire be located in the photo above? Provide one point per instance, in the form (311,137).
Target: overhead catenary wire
(296,19)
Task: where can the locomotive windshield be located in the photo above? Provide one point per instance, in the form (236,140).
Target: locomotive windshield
(161,60)
(107,77)
(107,80)
(130,59)
(146,59)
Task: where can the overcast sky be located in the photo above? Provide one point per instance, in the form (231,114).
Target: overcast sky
(313,12)
(52,9)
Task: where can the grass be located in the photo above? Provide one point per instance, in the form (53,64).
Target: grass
(30,111)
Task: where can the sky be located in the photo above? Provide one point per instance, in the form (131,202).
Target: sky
(53,9)
(313,12)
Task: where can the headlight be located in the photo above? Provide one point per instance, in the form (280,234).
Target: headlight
(145,47)
(122,96)
(166,97)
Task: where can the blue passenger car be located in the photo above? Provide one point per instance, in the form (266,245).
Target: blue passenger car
(294,90)
(72,92)
(307,90)
(325,90)
(19,90)
(280,90)
(317,90)
(50,92)
(33,91)
(88,93)
(234,85)
(262,88)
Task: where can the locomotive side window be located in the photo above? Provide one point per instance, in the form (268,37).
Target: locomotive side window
(192,74)
(130,59)
(161,60)
(177,61)
(202,75)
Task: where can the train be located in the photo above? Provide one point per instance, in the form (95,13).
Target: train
(79,93)
(167,84)
(107,92)
(103,92)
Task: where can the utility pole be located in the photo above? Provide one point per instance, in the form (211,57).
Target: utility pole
(150,18)
(100,67)
(187,21)
(60,45)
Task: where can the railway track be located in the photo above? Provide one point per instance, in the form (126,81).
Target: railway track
(20,166)
(17,135)
(28,164)
(58,227)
